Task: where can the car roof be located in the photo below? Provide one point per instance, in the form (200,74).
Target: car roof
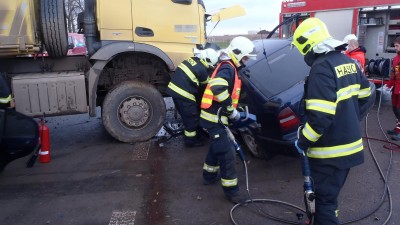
(277,67)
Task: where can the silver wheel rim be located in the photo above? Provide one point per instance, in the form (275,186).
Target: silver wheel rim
(250,143)
(134,112)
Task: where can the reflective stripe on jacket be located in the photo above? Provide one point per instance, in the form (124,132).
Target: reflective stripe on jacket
(5,100)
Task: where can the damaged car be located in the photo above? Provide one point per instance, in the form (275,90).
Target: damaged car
(272,89)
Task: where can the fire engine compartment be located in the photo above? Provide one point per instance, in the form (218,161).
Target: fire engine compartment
(376,23)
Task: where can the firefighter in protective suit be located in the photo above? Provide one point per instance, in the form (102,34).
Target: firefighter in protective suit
(223,91)
(184,89)
(331,137)
(394,84)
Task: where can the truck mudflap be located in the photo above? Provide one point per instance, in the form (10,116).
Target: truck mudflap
(56,93)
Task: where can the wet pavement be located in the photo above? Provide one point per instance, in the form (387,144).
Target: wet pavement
(93,179)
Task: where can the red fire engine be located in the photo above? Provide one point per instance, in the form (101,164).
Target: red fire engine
(376,23)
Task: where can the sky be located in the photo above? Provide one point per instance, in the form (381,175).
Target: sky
(260,15)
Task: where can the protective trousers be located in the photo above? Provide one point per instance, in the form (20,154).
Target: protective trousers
(189,111)
(221,153)
(396,111)
(328,181)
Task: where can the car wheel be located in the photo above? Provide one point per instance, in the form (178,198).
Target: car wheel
(54,27)
(133,111)
(251,144)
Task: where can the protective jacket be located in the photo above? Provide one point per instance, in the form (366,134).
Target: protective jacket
(358,54)
(224,80)
(395,75)
(5,93)
(188,76)
(334,92)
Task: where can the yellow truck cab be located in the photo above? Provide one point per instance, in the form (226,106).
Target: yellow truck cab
(133,46)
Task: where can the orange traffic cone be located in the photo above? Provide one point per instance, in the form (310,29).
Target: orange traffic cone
(44,152)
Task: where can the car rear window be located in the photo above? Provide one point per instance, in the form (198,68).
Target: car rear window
(282,68)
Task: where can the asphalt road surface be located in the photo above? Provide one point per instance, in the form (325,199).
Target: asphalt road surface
(93,179)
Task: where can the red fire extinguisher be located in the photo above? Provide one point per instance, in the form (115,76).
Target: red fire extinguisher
(44,132)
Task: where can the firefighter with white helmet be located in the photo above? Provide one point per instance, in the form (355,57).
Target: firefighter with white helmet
(355,51)
(238,48)
(331,136)
(208,56)
(223,91)
(184,88)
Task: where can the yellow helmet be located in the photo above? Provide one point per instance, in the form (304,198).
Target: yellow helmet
(309,33)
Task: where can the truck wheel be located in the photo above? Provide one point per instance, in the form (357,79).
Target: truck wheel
(54,27)
(133,111)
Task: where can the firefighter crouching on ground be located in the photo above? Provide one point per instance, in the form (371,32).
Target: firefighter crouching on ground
(223,90)
(5,94)
(394,83)
(331,136)
(184,89)
(355,51)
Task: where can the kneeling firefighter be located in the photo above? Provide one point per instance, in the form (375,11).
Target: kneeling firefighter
(331,137)
(223,91)
(184,89)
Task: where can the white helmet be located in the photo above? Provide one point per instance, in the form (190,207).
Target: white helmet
(349,37)
(239,48)
(209,56)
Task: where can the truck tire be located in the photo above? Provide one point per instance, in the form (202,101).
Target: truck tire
(133,111)
(54,27)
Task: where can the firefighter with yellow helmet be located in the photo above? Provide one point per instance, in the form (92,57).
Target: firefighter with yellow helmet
(223,91)
(184,89)
(331,137)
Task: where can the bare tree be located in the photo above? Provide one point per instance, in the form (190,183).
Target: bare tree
(73,8)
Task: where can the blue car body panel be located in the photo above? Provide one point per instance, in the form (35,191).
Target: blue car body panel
(271,83)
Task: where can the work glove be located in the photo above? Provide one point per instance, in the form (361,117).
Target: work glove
(232,113)
(301,151)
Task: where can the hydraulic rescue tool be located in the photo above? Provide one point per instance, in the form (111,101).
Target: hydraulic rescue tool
(309,195)
(246,120)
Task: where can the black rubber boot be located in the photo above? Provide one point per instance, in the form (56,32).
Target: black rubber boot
(236,198)
(396,137)
(391,132)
